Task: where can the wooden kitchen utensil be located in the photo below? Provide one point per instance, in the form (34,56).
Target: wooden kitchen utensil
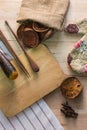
(34,66)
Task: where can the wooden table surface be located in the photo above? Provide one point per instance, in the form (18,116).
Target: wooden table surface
(60,45)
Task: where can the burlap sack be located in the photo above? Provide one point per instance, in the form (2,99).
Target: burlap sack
(47,12)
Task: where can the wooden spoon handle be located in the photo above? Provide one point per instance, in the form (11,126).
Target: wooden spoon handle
(34,66)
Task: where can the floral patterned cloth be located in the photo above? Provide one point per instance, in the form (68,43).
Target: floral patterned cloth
(77,58)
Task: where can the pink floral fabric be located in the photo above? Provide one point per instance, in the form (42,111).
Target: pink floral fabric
(77,58)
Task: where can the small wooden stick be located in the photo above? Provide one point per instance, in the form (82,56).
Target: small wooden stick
(34,66)
(5,41)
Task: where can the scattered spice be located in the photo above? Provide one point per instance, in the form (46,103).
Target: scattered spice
(68,111)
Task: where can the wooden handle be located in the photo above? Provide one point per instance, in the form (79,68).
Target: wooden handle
(34,66)
(11,50)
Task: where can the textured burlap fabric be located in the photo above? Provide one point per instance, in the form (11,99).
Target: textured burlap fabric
(47,12)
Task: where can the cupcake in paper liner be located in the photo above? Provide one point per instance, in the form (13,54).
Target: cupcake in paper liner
(78,27)
(77,58)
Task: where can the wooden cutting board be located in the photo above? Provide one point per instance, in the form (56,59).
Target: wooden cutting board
(16,95)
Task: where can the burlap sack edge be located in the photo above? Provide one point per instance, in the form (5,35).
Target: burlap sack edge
(58,21)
